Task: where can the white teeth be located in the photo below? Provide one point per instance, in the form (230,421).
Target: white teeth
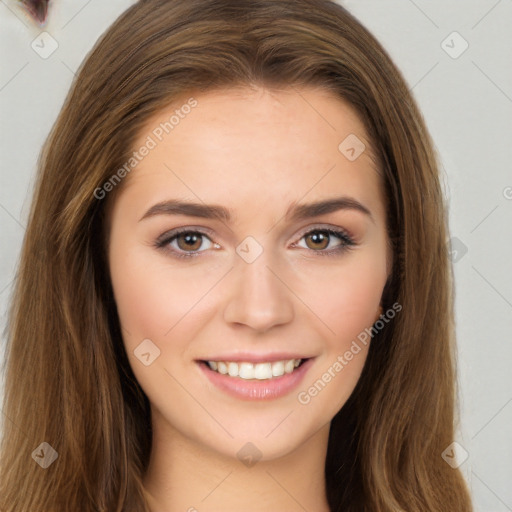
(289,366)
(278,368)
(233,369)
(263,371)
(246,370)
(260,371)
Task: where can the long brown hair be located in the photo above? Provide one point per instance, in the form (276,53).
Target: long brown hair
(67,378)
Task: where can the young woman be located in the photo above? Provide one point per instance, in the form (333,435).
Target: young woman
(234,291)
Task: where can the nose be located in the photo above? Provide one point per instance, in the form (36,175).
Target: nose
(259,296)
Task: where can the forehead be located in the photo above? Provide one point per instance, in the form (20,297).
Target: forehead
(251,143)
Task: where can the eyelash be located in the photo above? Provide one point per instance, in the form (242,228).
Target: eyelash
(164,240)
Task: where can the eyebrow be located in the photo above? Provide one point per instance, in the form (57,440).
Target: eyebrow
(295,212)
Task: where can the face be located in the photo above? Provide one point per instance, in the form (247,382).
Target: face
(248,241)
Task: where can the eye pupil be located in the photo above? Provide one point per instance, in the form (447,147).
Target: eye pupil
(319,237)
(191,241)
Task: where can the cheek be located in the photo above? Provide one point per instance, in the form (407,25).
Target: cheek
(346,296)
(151,296)
(346,299)
(349,309)
(141,299)
(157,303)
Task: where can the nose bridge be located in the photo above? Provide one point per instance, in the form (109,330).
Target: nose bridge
(258,298)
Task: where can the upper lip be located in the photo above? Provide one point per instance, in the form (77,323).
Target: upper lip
(246,357)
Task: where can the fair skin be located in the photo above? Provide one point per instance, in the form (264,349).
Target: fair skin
(255,152)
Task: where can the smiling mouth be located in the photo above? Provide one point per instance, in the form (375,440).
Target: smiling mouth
(255,371)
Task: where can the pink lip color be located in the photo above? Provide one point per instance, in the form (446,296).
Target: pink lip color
(257,389)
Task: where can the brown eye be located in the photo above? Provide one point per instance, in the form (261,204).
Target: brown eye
(189,241)
(326,241)
(185,243)
(317,240)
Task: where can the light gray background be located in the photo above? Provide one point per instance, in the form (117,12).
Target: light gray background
(467,104)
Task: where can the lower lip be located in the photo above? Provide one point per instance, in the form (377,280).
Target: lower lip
(269,389)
